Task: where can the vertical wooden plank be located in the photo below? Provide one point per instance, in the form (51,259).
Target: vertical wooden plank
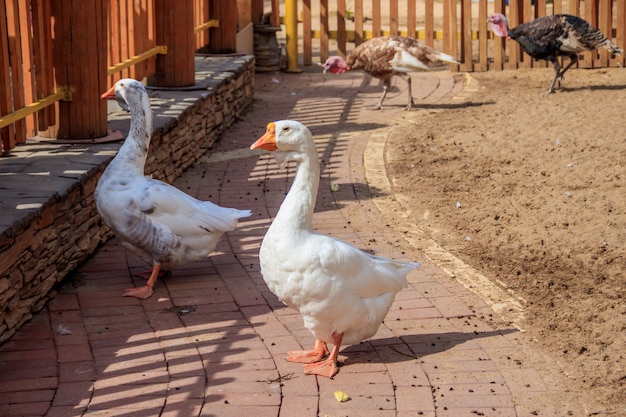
(28,61)
(275,16)
(17,65)
(557,7)
(257,11)
(42,55)
(450,35)
(393,18)
(358,22)
(605,24)
(113,36)
(7,134)
(149,10)
(79,37)
(411,19)
(483,36)
(223,38)
(620,24)
(446,25)
(430,22)
(307,33)
(467,53)
(525,61)
(591,15)
(324,30)
(513,47)
(376,19)
(574,7)
(499,52)
(540,11)
(341,27)
(245,13)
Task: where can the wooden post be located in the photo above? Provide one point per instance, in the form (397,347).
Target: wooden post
(223,39)
(174,29)
(80,61)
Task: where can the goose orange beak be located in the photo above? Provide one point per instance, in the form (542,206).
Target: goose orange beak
(110,93)
(268,140)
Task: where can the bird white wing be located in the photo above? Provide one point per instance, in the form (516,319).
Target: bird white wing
(364,274)
(182,214)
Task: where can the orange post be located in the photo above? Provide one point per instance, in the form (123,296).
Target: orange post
(174,29)
(223,39)
(80,61)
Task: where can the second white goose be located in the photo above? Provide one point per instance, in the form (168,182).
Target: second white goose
(342,292)
(161,224)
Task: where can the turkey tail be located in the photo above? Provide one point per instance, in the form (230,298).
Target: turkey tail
(614,49)
(447,58)
(589,36)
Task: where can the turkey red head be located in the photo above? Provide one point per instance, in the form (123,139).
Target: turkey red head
(499,25)
(336,65)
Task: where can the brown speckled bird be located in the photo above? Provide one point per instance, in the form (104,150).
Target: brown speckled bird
(387,56)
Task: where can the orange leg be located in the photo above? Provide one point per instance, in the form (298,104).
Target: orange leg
(147,290)
(309,356)
(328,367)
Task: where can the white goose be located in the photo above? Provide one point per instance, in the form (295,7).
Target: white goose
(161,224)
(342,292)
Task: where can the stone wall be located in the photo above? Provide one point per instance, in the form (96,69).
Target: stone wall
(41,247)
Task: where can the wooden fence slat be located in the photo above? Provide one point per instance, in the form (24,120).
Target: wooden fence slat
(394,24)
(466,28)
(42,50)
(620,24)
(28,61)
(499,46)
(341,27)
(358,22)
(17,65)
(307,33)
(429,24)
(483,36)
(411,17)
(324,31)
(7,134)
(376,19)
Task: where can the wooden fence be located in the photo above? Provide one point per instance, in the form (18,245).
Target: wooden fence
(458,27)
(48,46)
(56,56)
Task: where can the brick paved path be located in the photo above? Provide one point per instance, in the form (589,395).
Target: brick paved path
(212,340)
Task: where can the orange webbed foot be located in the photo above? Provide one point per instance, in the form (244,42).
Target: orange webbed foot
(327,368)
(309,356)
(142,292)
(147,290)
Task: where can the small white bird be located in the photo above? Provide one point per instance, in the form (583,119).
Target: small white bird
(161,224)
(342,292)
(386,56)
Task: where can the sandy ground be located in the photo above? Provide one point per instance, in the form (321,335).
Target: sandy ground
(530,190)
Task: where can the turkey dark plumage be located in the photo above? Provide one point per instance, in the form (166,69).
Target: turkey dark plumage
(550,37)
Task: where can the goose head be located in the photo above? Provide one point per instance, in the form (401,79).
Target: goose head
(126,91)
(287,140)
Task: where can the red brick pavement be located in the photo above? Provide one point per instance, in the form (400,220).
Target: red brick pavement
(212,340)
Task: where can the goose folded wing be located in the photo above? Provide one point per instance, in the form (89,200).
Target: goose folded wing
(365,275)
(183,214)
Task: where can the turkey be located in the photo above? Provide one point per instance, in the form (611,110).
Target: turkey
(387,56)
(550,37)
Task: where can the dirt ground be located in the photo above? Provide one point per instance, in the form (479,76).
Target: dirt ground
(530,190)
